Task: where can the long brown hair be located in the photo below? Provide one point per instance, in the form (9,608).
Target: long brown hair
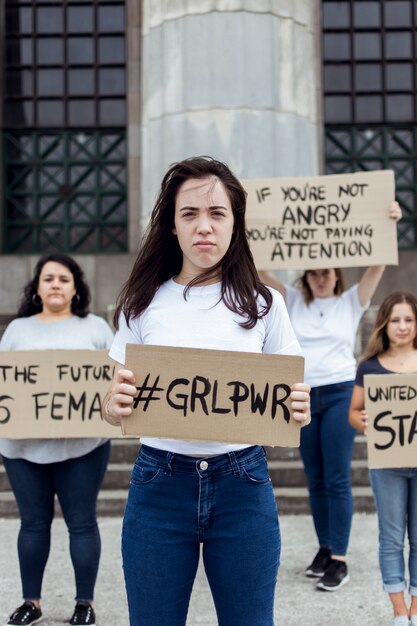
(160,256)
(378,342)
(302,284)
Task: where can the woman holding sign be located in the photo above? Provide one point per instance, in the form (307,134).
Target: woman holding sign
(325,318)
(392,348)
(54,315)
(194,284)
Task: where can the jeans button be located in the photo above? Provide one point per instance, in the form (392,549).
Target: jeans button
(203,465)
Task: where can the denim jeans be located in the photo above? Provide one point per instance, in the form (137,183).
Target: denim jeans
(76,483)
(395,493)
(177,502)
(326,449)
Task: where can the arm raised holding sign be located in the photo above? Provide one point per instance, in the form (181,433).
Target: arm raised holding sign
(325,318)
(392,347)
(194,285)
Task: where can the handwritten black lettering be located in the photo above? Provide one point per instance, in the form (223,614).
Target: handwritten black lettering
(352,190)
(320,214)
(263,193)
(392,392)
(182,396)
(57,405)
(4,410)
(200,394)
(304,193)
(380,428)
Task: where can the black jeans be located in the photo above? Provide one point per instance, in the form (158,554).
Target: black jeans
(76,483)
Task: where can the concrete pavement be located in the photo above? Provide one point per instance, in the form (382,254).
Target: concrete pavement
(359,603)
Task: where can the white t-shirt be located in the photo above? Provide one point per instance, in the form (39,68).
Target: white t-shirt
(203,321)
(326,329)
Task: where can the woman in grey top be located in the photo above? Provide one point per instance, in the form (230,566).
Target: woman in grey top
(54,314)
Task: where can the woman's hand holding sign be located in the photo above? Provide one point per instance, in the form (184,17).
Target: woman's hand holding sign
(300,403)
(119,399)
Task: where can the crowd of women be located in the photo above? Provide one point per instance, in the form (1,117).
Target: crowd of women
(194,285)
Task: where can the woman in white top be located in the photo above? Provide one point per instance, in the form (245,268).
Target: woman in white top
(194,284)
(325,319)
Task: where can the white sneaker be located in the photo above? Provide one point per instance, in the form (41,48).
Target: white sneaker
(401,620)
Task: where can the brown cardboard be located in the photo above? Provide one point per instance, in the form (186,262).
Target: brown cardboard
(41,397)
(391,403)
(169,381)
(339,220)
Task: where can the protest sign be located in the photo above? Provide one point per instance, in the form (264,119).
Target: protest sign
(48,394)
(322,222)
(213,395)
(391,404)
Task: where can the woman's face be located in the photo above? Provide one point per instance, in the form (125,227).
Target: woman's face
(203,224)
(322,282)
(56,288)
(401,328)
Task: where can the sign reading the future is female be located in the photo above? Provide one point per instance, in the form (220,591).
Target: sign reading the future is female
(323,221)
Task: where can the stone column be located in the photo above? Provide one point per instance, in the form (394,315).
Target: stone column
(235,79)
(2,47)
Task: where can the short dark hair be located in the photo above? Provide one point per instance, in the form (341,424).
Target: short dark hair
(80,303)
(160,256)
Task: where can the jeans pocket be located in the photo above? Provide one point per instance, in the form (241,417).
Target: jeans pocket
(144,472)
(257,473)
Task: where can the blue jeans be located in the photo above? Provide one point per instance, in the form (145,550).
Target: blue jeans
(326,449)
(395,493)
(76,483)
(175,503)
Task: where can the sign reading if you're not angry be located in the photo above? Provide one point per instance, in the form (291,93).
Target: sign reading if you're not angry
(391,404)
(51,394)
(213,395)
(322,222)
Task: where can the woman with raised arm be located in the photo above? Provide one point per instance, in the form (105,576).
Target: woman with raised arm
(194,284)
(54,314)
(325,318)
(392,348)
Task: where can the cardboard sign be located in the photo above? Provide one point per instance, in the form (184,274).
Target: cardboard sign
(213,395)
(51,394)
(391,403)
(324,221)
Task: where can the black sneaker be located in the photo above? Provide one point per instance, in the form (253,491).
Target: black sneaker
(28,613)
(83,615)
(317,568)
(335,576)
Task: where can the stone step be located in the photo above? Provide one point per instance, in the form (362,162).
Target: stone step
(283,474)
(292,474)
(359,451)
(294,500)
(290,500)
(126,451)
(285,465)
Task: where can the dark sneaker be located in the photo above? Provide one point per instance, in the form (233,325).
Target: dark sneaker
(317,568)
(335,576)
(83,615)
(28,613)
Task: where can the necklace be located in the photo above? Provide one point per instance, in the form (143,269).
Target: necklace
(321,313)
(403,359)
